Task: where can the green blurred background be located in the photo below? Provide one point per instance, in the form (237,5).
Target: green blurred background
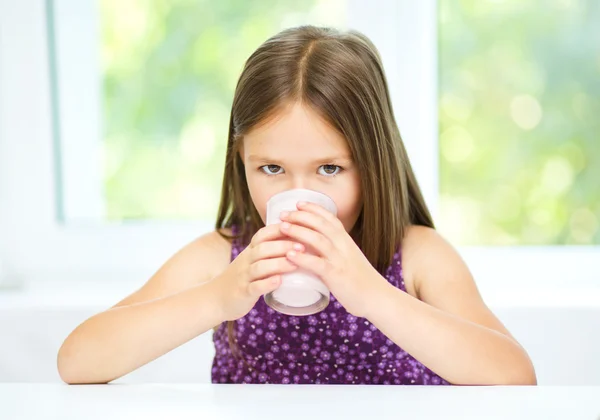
(170,69)
(519,108)
(519,83)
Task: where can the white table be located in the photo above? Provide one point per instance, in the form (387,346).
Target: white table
(263,402)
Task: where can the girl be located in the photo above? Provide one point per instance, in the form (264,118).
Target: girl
(312,110)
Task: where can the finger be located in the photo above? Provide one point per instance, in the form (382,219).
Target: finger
(261,287)
(312,263)
(266,268)
(321,211)
(312,239)
(315,222)
(266,233)
(272,249)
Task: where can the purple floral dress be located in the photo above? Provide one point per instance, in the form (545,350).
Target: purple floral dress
(330,347)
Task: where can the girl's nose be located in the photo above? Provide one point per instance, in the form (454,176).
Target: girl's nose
(298,182)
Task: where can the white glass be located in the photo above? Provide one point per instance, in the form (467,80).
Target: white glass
(301,292)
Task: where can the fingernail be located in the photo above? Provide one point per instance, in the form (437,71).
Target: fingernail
(285,226)
(298,247)
(284,214)
(291,253)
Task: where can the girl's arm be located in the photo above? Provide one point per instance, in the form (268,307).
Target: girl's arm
(448,328)
(177,304)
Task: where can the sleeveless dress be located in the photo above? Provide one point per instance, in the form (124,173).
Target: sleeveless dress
(330,347)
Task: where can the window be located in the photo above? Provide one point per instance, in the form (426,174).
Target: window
(159,78)
(519,151)
(104,102)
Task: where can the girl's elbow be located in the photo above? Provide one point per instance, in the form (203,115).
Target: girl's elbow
(520,370)
(528,378)
(521,375)
(68,374)
(63,365)
(69,370)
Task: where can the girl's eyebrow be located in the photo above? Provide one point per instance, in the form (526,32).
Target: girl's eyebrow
(345,158)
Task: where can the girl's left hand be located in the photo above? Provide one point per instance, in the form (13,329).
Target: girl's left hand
(339,261)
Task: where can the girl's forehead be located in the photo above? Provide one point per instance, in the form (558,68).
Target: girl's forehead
(295,129)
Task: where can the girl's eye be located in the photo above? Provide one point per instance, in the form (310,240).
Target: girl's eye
(325,170)
(271,169)
(330,170)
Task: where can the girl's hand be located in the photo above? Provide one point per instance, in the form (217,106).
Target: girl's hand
(339,261)
(255,271)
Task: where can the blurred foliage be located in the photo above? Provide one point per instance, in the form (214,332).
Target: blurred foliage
(519,101)
(170,69)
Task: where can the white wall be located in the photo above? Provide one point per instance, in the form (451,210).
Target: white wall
(563,341)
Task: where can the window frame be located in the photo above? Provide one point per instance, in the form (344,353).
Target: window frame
(36,244)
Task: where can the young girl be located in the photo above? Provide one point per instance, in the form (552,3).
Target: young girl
(312,110)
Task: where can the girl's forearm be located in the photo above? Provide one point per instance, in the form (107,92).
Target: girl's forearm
(460,351)
(120,340)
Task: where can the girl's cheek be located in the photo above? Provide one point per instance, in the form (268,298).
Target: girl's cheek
(263,215)
(348,214)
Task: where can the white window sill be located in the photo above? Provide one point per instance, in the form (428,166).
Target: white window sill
(66,295)
(98,296)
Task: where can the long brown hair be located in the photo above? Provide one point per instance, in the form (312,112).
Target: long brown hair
(340,76)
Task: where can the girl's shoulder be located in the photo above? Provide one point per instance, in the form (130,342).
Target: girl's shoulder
(421,248)
(439,276)
(210,252)
(197,262)
(219,243)
(202,259)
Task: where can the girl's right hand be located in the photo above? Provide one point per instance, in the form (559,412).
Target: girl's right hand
(256,270)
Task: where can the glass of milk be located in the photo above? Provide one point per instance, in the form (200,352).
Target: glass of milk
(301,292)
